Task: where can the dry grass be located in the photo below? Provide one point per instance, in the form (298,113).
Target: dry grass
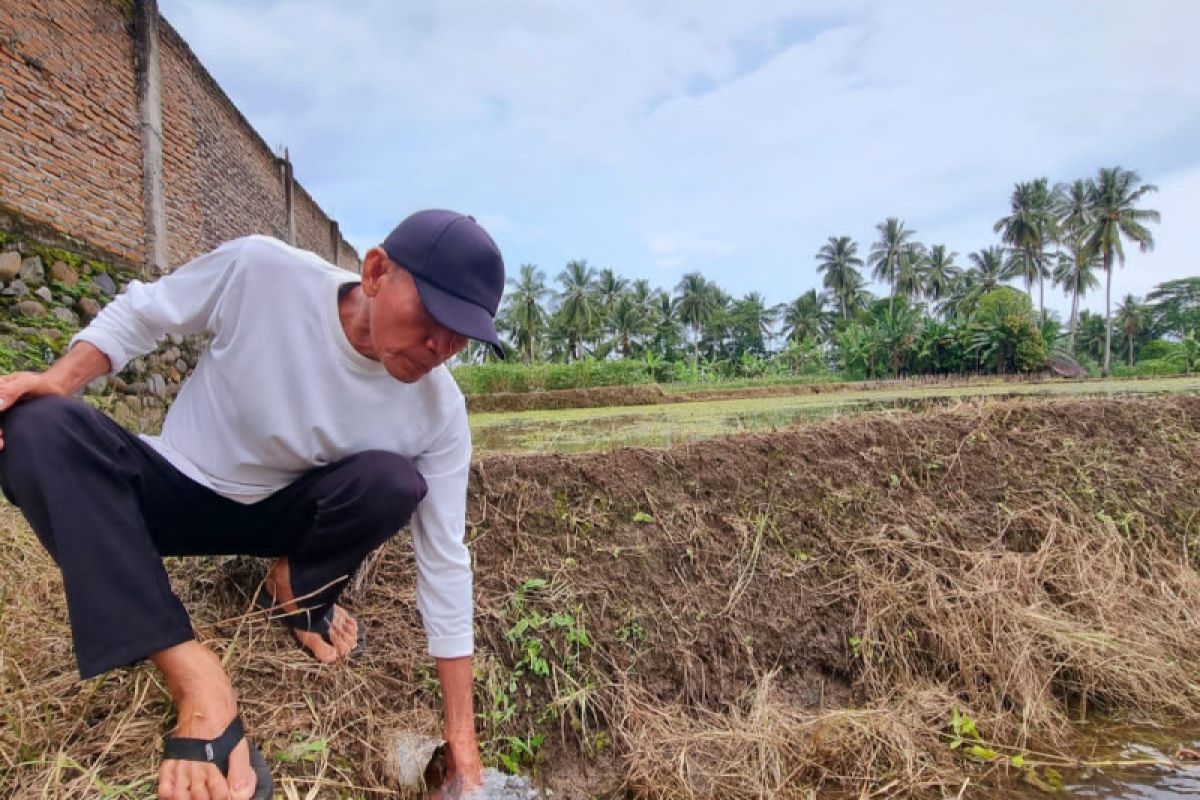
(1019,642)
(323,727)
(768,748)
(1087,617)
(771,616)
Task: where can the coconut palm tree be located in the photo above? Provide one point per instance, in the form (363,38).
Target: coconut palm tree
(578,312)
(961,295)
(1028,228)
(1071,206)
(885,253)
(909,280)
(969,285)
(609,287)
(989,266)
(695,304)
(838,260)
(896,333)
(642,292)
(1131,318)
(805,317)
(1077,278)
(716,333)
(940,271)
(1090,335)
(1116,216)
(750,323)
(523,317)
(667,334)
(630,321)
(855,296)
(1019,264)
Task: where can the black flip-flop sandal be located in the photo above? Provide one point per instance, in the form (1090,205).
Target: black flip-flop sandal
(216,752)
(312,619)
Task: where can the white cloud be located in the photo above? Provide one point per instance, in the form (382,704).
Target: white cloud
(675,250)
(731,138)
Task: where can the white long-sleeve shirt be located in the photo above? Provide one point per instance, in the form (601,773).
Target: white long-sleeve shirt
(280,391)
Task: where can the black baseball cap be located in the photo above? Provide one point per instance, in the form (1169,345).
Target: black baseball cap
(457,269)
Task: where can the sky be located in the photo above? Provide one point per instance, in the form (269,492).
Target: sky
(659,137)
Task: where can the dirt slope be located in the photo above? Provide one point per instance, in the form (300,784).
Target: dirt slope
(736,618)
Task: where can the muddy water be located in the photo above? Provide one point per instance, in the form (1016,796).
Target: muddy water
(1149,784)
(1107,743)
(496,786)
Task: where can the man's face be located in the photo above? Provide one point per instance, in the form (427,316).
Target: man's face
(407,340)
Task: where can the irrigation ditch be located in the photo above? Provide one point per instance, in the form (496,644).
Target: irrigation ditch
(878,605)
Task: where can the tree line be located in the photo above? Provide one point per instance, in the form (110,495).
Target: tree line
(942,313)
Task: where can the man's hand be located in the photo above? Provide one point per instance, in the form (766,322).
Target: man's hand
(465,768)
(82,364)
(21,385)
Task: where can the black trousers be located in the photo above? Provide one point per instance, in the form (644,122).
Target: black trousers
(108,507)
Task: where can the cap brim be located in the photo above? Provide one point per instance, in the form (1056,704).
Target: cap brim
(460,316)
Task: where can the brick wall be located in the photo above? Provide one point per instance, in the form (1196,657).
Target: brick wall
(312,227)
(70,149)
(70,143)
(221,180)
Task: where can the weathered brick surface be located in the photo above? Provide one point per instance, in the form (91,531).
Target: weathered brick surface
(70,149)
(312,226)
(70,141)
(313,231)
(221,180)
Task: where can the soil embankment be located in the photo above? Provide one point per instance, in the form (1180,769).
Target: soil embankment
(598,397)
(655,394)
(744,617)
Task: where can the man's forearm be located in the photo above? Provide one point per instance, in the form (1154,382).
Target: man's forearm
(78,367)
(457,686)
(466,769)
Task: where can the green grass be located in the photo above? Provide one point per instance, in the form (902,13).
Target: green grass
(747,383)
(581,429)
(516,377)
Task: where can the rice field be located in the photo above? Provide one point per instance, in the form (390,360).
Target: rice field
(583,429)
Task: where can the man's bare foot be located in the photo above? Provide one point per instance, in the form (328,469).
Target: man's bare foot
(205,704)
(343,631)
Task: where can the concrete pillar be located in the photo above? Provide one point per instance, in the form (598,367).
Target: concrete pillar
(289,200)
(145,16)
(335,241)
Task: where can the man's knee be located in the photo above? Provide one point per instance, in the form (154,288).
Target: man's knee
(389,485)
(39,425)
(38,434)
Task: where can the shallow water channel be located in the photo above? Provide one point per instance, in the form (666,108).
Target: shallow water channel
(1107,745)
